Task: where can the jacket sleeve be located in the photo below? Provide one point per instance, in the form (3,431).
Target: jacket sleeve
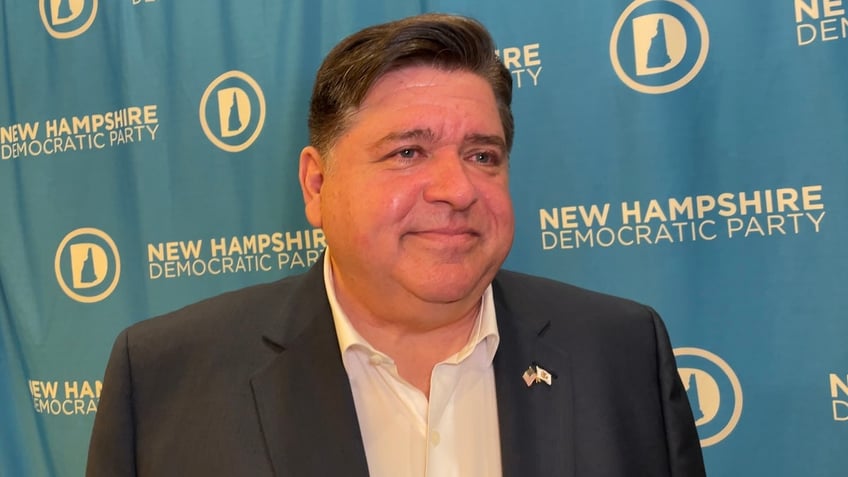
(112,448)
(682,441)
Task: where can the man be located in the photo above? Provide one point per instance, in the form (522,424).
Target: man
(406,351)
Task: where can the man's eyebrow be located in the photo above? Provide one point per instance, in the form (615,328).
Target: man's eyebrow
(425,134)
(485,140)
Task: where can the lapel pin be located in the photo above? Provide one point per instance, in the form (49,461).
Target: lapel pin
(537,374)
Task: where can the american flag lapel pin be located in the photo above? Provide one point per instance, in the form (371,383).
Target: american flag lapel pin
(537,374)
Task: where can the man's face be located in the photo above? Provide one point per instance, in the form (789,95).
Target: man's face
(414,198)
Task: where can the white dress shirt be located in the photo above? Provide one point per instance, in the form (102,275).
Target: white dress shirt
(455,434)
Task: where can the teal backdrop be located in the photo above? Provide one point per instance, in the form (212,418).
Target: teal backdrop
(689,154)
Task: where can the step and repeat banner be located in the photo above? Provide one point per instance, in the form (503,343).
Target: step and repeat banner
(689,154)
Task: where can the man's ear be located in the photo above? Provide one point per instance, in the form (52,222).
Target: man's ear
(311,174)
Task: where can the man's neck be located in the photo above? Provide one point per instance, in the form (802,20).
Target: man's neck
(416,351)
(415,333)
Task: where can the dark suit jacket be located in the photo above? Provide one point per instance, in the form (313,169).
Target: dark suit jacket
(251,383)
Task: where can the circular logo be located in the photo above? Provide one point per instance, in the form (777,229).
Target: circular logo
(658,46)
(87,264)
(714,393)
(65,19)
(232,111)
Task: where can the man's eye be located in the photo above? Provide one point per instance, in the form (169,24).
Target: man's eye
(484,158)
(405,156)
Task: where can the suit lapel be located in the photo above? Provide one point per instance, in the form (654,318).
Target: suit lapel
(536,422)
(303,396)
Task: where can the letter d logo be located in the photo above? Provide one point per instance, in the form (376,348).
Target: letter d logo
(65,19)
(87,265)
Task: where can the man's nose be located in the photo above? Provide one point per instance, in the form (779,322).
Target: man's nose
(450,181)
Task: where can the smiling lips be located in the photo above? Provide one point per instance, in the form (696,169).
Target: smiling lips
(456,236)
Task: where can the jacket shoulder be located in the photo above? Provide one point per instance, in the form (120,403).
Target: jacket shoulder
(575,317)
(228,323)
(559,298)
(234,308)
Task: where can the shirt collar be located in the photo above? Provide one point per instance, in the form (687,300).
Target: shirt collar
(485,327)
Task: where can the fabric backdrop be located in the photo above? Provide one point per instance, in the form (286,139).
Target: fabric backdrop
(689,154)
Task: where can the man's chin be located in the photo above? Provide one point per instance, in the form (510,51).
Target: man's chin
(451,290)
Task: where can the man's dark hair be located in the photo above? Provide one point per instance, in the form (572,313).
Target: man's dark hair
(446,42)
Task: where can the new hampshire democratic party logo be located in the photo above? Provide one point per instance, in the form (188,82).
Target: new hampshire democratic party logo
(67,18)
(87,264)
(232,111)
(658,46)
(714,393)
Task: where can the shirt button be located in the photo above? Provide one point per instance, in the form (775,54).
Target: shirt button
(435,438)
(375,359)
